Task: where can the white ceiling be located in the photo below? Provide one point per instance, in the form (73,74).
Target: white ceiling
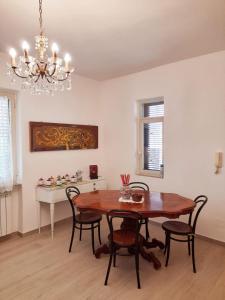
(109,38)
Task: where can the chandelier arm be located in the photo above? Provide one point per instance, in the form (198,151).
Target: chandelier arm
(17,74)
(49,81)
(45,69)
(38,76)
(39,68)
(53,72)
(49,76)
(63,79)
(33,74)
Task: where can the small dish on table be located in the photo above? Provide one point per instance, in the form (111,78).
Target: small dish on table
(136,197)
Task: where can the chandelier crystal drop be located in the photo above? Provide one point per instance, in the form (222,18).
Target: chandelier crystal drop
(41,74)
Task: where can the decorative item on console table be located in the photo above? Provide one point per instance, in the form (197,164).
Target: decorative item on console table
(48,182)
(79,175)
(67,177)
(73,179)
(58,181)
(93,171)
(52,180)
(41,181)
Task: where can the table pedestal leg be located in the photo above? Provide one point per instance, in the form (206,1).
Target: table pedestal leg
(144,244)
(153,244)
(150,256)
(102,249)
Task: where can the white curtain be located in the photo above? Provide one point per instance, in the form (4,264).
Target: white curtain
(6,163)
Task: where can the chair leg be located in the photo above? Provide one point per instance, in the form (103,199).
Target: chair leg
(137,268)
(93,238)
(189,246)
(80,232)
(114,258)
(72,236)
(99,233)
(193,254)
(109,265)
(167,249)
(146,229)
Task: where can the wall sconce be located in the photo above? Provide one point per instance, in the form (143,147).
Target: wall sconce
(218,162)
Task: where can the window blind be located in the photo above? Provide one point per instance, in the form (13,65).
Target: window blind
(155,109)
(153,136)
(6,166)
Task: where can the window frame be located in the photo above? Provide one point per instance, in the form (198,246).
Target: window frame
(12,96)
(141,120)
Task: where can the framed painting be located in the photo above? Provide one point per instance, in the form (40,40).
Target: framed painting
(55,136)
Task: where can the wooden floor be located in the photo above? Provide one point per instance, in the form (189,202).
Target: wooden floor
(35,267)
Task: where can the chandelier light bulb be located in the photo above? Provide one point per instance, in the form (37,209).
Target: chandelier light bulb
(12,53)
(25,46)
(67,59)
(55,48)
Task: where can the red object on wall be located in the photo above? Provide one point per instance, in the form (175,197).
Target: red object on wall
(93,171)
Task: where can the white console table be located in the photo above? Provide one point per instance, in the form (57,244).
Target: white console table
(53,195)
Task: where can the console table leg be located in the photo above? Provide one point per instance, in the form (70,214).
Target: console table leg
(39,215)
(52,208)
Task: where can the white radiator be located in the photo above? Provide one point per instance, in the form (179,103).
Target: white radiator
(4,212)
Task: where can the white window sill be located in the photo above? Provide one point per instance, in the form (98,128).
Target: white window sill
(155,174)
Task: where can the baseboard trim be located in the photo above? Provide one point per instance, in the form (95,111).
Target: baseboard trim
(8,236)
(43,228)
(202,237)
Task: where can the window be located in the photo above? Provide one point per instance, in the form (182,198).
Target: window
(150,137)
(6,133)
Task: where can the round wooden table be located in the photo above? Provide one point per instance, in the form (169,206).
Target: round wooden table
(155,204)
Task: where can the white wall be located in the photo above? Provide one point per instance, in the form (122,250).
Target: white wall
(194,94)
(78,106)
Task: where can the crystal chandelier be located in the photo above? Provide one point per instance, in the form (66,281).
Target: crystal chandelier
(41,74)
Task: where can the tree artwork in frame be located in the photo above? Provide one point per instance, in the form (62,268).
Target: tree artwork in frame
(55,136)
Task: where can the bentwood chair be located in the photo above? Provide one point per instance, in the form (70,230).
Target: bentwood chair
(124,238)
(84,220)
(143,186)
(183,229)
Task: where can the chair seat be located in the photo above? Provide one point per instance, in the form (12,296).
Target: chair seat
(177,227)
(124,238)
(88,218)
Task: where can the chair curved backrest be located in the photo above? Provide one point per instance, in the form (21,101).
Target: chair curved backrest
(200,203)
(125,215)
(139,185)
(71,192)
